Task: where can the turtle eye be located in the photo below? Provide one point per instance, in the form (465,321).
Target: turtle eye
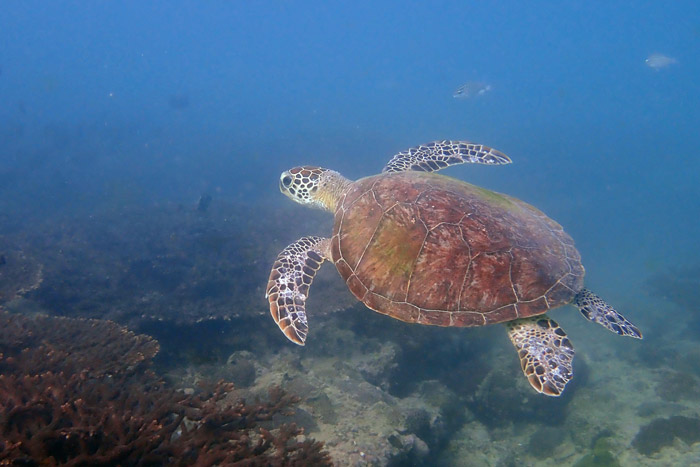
(286,181)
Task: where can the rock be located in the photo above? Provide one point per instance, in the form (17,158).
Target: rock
(376,367)
(602,455)
(241,368)
(505,396)
(674,386)
(661,432)
(545,441)
(323,407)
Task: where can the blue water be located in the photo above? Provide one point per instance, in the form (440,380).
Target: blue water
(119,103)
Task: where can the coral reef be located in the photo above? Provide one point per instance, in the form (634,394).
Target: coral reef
(19,273)
(54,344)
(164,263)
(376,391)
(66,400)
(347,399)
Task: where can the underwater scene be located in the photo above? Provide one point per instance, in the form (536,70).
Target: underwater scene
(350,233)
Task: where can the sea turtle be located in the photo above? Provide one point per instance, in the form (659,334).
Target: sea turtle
(426,248)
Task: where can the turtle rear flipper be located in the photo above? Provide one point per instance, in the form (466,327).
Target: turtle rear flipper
(546,354)
(594,308)
(437,155)
(289,283)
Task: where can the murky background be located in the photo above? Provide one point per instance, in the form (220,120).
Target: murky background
(140,151)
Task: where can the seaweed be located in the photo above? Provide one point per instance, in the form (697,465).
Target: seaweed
(601,455)
(66,400)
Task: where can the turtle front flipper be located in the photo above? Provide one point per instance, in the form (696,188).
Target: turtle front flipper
(595,309)
(290,279)
(546,354)
(437,155)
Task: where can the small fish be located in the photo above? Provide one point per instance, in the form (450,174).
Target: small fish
(179,101)
(471,89)
(658,61)
(204,202)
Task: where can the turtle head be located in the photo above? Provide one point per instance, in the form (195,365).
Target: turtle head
(313,186)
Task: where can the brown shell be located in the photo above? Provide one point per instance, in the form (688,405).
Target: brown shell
(430,249)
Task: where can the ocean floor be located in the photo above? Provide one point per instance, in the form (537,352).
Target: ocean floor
(375,390)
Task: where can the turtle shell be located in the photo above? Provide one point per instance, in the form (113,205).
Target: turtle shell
(430,249)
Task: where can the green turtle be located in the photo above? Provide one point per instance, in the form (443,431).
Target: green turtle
(426,248)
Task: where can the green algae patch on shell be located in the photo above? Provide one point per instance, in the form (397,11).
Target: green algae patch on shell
(495,198)
(426,248)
